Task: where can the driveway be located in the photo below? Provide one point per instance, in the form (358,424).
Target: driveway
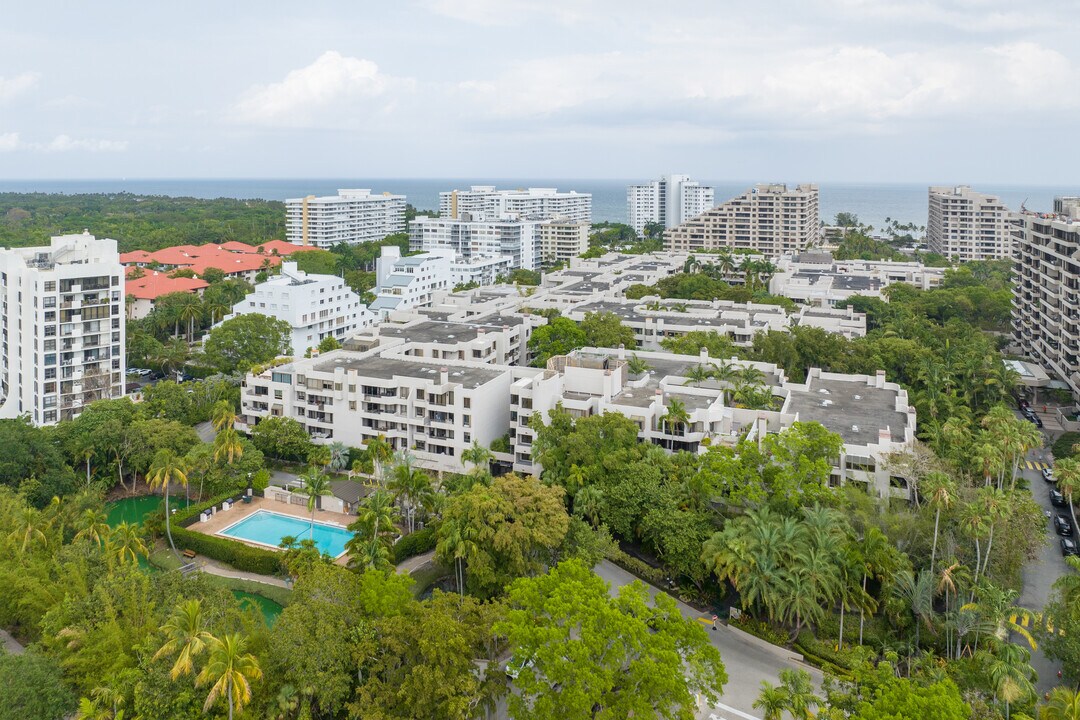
(10,644)
(746,664)
(206,432)
(1048,566)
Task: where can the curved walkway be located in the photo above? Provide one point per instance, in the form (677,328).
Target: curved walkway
(215,568)
(410,565)
(10,644)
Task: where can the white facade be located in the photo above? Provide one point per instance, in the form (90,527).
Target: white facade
(671,200)
(470,238)
(403,283)
(351,216)
(1046,295)
(63,327)
(316,306)
(815,278)
(767,219)
(966,225)
(531,203)
(562,240)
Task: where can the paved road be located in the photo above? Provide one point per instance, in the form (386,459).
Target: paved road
(1040,574)
(747,665)
(206,432)
(9,643)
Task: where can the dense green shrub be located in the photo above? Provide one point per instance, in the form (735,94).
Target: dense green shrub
(235,553)
(415,543)
(1063,446)
(640,568)
(761,629)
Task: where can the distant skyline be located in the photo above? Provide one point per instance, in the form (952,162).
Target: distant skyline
(905,91)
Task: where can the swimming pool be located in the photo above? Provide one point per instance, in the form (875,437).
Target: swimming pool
(264,527)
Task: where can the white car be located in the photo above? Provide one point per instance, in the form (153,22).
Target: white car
(514,666)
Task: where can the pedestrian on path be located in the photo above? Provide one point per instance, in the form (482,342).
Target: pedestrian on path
(714,627)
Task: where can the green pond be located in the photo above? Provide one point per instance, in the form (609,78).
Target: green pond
(133,510)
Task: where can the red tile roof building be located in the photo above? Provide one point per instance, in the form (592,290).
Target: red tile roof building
(152,285)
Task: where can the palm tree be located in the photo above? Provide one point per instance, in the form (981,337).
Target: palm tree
(187,638)
(89,709)
(676,416)
(93,526)
(800,693)
(339,455)
(1067,471)
(637,366)
(230,668)
(189,311)
(380,451)
(286,703)
(167,468)
(26,530)
(316,484)
(172,355)
(1010,674)
(697,375)
(1064,704)
(973,523)
(588,504)
(478,456)
(215,308)
(772,701)
(995,507)
(942,492)
(126,542)
(374,531)
(411,487)
(916,591)
(226,445)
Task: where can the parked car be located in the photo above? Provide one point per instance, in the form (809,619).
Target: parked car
(1068,547)
(1056,498)
(1035,419)
(1048,475)
(515,665)
(1063,526)
(1023,404)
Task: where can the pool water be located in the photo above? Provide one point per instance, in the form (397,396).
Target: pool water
(268,528)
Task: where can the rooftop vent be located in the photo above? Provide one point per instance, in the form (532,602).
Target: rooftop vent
(858,397)
(854,428)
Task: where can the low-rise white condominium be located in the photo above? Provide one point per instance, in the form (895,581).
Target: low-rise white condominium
(316,306)
(767,219)
(670,201)
(966,225)
(351,216)
(1046,295)
(816,278)
(562,240)
(533,203)
(470,238)
(63,327)
(404,283)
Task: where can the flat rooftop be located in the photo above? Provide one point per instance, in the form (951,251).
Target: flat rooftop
(382,368)
(430,331)
(853,410)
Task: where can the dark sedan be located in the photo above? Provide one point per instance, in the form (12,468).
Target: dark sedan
(1068,547)
(1056,498)
(1063,526)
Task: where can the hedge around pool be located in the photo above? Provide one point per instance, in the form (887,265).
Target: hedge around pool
(235,553)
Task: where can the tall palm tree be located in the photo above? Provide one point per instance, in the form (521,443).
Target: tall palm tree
(995,507)
(1067,471)
(380,452)
(222,415)
(215,308)
(916,591)
(1010,674)
(93,526)
(187,637)
(800,692)
(676,416)
(588,504)
(28,530)
(316,484)
(166,469)
(227,445)
(411,487)
(126,543)
(942,493)
(189,311)
(230,668)
(374,531)
(973,523)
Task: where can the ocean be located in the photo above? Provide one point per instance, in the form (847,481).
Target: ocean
(873,203)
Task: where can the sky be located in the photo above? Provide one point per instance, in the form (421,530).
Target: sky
(782,90)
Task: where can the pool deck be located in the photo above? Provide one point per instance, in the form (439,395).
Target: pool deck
(238,512)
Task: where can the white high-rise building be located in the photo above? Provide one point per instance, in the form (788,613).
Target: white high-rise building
(316,306)
(767,219)
(472,238)
(533,203)
(671,200)
(969,225)
(1046,295)
(561,240)
(403,283)
(351,216)
(63,327)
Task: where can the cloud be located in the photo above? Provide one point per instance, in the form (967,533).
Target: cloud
(10,142)
(65,143)
(12,86)
(490,13)
(311,95)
